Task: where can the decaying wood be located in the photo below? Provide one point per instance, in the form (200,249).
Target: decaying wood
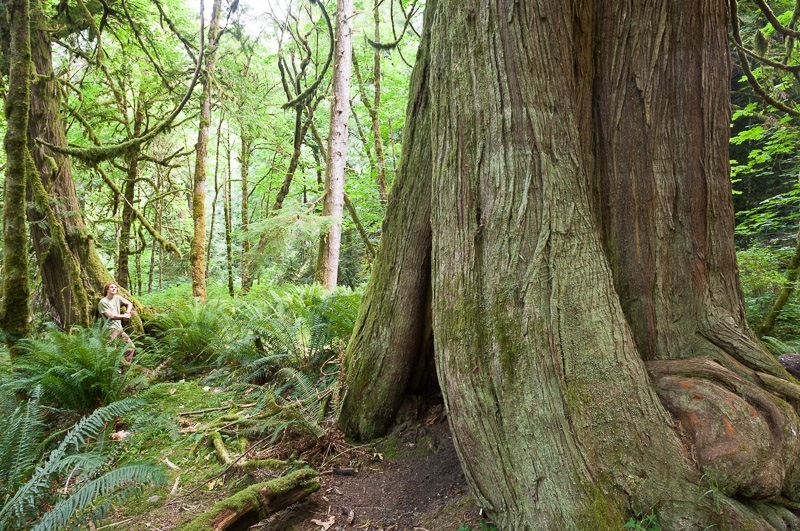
(256,501)
(219,446)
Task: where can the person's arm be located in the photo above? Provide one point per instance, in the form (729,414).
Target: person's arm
(109,314)
(113,316)
(128,307)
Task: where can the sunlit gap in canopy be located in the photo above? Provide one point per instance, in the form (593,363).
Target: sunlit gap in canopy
(255,15)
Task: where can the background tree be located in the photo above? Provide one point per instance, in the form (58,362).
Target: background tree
(333,202)
(584,285)
(765,164)
(197,255)
(14,312)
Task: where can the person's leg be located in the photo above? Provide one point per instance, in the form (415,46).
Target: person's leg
(117,333)
(128,356)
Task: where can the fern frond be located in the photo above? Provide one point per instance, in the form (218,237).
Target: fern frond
(66,509)
(88,427)
(778,347)
(20,444)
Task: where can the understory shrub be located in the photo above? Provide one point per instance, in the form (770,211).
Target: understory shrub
(77,370)
(763,273)
(78,481)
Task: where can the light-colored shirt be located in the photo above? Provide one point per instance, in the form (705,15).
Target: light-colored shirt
(112,307)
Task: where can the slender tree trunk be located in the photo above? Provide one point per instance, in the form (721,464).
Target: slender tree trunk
(351,208)
(216,198)
(375,111)
(226,202)
(14,305)
(72,273)
(129,189)
(197,252)
(584,287)
(300,131)
(246,152)
(331,240)
(157,223)
(787,289)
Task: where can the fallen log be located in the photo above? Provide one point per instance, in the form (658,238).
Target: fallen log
(256,502)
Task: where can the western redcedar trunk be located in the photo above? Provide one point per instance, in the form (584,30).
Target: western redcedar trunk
(589,331)
(71,270)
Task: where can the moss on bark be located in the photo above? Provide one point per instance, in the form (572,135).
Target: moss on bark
(262,499)
(14,312)
(391,331)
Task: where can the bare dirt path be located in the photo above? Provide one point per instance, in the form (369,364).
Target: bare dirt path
(419,487)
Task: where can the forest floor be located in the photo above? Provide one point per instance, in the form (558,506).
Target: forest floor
(412,480)
(420,487)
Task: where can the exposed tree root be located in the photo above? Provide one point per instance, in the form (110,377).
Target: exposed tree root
(256,502)
(745,438)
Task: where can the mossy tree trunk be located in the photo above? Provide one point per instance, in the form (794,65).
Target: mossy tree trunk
(327,271)
(244,162)
(71,270)
(792,273)
(585,291)
(198,244)
(14,305)
(389,336)
(128,198)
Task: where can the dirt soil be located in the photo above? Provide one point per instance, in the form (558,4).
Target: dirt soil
(422,487)
(410,481)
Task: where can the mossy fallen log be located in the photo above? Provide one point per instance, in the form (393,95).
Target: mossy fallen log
(256,502)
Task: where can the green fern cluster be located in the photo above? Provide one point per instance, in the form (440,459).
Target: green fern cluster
(192,336)
(76,481)
(77,370)
(289,346)
(778,347)
(21,435)
(302,328)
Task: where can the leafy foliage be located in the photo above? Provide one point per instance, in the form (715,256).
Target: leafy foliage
(21,435)
(77,370)
(191,336)
(644,522)
(79,463)
(762,274)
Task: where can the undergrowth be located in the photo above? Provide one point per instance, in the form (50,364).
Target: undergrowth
(249,373)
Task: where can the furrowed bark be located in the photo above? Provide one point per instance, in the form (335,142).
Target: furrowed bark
(72,273)
(389,335)
(589,329)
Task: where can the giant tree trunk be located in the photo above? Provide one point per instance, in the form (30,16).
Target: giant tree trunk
(582,235)
(14,304)
(72,273)
(389,335)
(331,240)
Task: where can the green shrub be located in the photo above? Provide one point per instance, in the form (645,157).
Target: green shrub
(763,273)
(77,370)
(77,478)
(191,336)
